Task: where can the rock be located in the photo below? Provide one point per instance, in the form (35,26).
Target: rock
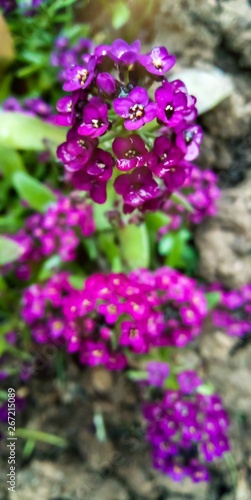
(101,379)
(224,242)
(110,490)
(139,481)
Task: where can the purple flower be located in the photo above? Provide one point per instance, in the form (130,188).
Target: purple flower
(165,161)
(100,52)
(95,118)
(121,51)
(76,151)
(130,152)
(172,106)
(135,108)
(157,372)
(106,83)
(8,5)
(163,156)
(158,61)
(12,104)
(132,336)
(188,381)
(188,139)
(136,187)
(94,354)
(94,185)
(111,311)
(80,77)
(38,106)
(101,165)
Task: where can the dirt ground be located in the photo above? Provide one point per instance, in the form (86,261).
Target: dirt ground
(203,34)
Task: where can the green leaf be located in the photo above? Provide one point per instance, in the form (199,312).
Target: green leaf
(10,162)
(213,299)
(77,281)
(175,255)
(32,191)
(180,199)
(137,375)
(111,250)
(206,389)
(121,14)
(20,131)
(9,250)
(166,243)
(48,267)
(134,245)
(171,383)
(44,437)
(157,220)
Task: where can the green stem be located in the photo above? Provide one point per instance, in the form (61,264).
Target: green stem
(44,437)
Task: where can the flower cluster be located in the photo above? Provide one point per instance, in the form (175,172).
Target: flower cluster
(202,192)
(233,313)
(25,6)
(186,429)
(109,103)
(114,312)
(8,6)
(64,56)
(32,106)
(55,232)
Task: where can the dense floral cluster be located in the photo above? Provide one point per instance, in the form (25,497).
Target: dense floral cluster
(57,232)
(25,6)
(202,192)
(32,106)
(64,55)
(185,429)
(109,103)
(233,313)
(114,312)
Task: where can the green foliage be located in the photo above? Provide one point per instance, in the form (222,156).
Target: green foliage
(134,246)
(120,15)
(213,299)
(9,250)
(37,195)
(178,253)
(20,131)
(10,162)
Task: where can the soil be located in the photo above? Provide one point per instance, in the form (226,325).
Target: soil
(202,34)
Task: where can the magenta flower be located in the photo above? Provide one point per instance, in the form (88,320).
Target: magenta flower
(157,372)
(189,381)
(80,77)
(76,151)
(95,118)
(101,165)
(94,354)
(188,139)
(135,108)
(106,83)
(163,156)
(130,152)
(121,51)
(165,162)
(95,186)
(111,311)
(172,106)
(158,61)
(136,187)
(132,336)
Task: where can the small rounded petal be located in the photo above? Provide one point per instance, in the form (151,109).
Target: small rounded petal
(158,61)
(106,83)
(130,152)
(121,51)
